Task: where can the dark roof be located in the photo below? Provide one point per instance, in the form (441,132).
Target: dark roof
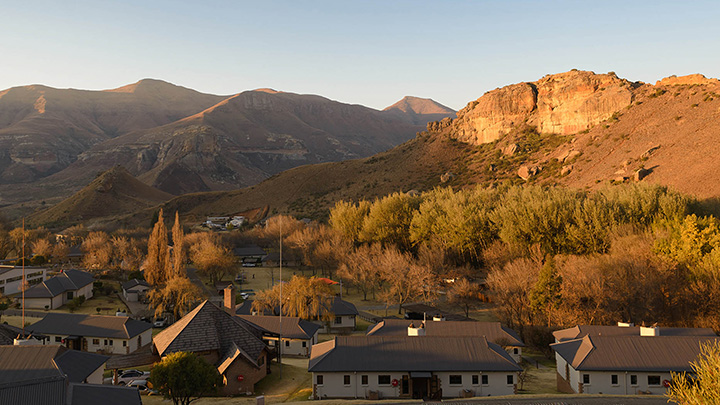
(83,394)
(120,327)
(612,330)
(5,268)
(134,282)
(9,333)
(632,353)
(79,365)
(292,327)
(493,331)
(23,363)
(40,391)
(337,307)
(275,257)
(432,311)
(403,353)
(69,280)
(248,251)
(208,327)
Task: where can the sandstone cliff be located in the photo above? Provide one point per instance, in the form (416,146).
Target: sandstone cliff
(563,103)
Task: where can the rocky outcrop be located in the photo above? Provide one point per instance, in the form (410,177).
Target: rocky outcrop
(525,172)
(686,80)
(564,103)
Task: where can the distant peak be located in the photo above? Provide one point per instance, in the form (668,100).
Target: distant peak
(268,90)
(418,105)
(144,84)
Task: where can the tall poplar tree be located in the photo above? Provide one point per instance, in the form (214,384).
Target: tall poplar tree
(157,264)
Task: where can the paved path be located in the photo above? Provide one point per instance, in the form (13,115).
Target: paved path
(192,275)
(535,363)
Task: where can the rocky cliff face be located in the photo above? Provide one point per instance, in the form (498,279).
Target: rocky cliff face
(563,103)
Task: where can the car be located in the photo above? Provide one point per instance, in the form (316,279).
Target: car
(159,323)
(244,295)
(126,376)
(143,386)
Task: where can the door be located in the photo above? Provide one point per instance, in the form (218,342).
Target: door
(420,387)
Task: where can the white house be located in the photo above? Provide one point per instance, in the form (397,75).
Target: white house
(493,331)
(625,364)
(298,335)
(94,333)
(11,278)
(373,367)
(59,290)
(135,290)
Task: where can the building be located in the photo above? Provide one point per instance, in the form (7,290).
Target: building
(625,329)
(59,290)
(135,290)
(94,333)
(342,319)
(233,345)
(298,335)
(54,375)
(493,331)
(625,364)
(249,255)
(373,367)
(11,278)
(9,333)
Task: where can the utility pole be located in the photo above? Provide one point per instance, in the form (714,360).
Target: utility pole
(22,285)
(280,345)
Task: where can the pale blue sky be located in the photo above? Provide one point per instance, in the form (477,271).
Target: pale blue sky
(361,52)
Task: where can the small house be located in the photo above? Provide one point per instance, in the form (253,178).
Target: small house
(298,335)
(135,290)
(59,290)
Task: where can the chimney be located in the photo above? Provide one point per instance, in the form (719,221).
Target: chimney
(625,324)
(649,331)
(229,301)
(438,318)
(419,331)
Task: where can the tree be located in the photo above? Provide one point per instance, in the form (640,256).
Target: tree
(157,263)
(303,297)
(388,220)
(98,250)
(179,295)
(348,218)
(464,294)
(178,256)
(42,247)
(704,387)
(546,294)
(404,279)
(360,268)
(211,259)
(183,376)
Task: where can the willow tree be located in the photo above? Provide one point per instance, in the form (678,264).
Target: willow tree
(307,298)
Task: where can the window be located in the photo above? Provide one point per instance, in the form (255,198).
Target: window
(304,344)
(633,380)
(455,379)
(2,282)
(383,380)
(346,379)
(510,379)
(364,380)
(110,343)
(475,379)
(484,379)
(586,378)
(58,339)
(287,343)
(70,295)
(614,379)
(653,380)
(319,379)
(105,342)
(96,342)
(338,320)
(516,351)
(124,343)
(2,290)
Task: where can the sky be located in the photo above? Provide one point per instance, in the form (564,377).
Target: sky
(359,52)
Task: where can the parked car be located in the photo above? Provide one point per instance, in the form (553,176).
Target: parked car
(126,376)
(244,295)
(160,322)
(143,387)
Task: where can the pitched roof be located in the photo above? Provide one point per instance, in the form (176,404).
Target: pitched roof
(82,394)
(292,327)
(632,353)
(493,331)
(9,333)
(403,353)
(79,365)
(119,327)
(133,283)
(40,391)
(248,250)
(338,307)
(613,330)
(208,327)
(68,280)
(23,363)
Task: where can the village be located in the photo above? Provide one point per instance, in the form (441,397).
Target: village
(73,334)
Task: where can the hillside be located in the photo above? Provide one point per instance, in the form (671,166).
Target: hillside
(43,129)
(244,139)
(419,111)
(114,192)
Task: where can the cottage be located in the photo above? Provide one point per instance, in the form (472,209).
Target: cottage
(625,364)
(342,320)
(249,255)
(373,367)
(135,290)
(298,335)
(493,331)
(11,278)
(232,344)
(22,361)
(94,333)
(59,290)
(625,329)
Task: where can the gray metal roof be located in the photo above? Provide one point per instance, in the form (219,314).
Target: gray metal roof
(613,330)
(69,280)
(133,283)
(632,353)
(292,327)
(79,365)
(403,353)
(119,327)
(340,307)
(41,391)
(493,331)
(24,363)
(208,327)
(84,394)
(249,251)
(433,311)
(9,333)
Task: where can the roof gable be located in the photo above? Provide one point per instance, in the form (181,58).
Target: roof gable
(292,327)
(22,363)
(68,280)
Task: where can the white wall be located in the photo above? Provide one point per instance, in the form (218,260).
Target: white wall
(333,384)
(601,382)
(511,351)
(97,376)
(295,347)
(346,322)
(13,287)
